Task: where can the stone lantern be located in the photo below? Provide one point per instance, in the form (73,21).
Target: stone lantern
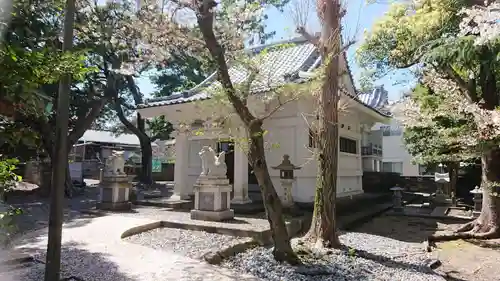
(397,198)
(478,201)
(287,178)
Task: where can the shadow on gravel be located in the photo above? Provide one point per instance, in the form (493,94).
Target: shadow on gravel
(35,211)
(405,228)
(315,269)
(77,264)
(389,262)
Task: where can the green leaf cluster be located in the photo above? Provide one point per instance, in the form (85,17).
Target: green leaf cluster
(441,141)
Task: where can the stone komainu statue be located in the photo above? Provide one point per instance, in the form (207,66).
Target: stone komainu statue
(115,164)
(211,163)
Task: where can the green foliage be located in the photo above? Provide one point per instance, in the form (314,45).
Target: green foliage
(406,32)
(440,140)
(32,64)
(427,34)
(8,179)
(436,37)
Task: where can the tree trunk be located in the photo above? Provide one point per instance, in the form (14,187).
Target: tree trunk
(60,157)
(453,173)
(323,231)
(487,225)
(146,176)
(282,249)
(69,188)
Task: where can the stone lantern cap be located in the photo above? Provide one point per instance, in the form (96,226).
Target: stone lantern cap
(397,188)
(476,190)
(286,165)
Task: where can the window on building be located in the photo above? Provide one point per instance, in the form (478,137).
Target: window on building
(388,131)
(392,167)
(348,145)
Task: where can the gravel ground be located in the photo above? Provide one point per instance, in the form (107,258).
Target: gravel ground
(376,258)
(193,244)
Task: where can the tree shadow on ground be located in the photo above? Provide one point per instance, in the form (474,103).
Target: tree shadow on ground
(35,210)
(329,269)
(406,228)
(76,262)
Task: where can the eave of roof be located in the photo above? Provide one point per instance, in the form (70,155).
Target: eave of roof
(195,94)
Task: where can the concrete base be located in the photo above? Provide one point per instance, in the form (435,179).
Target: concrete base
(240,201)
(115,206)
(212,215)
(475,214)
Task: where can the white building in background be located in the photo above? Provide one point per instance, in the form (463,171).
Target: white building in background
(288,127)
(383,146)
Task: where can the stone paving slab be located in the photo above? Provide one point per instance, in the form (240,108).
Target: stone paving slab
(99,239)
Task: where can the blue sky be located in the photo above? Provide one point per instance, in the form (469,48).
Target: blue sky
(360,16)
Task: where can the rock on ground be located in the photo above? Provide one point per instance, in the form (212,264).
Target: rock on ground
(193,244)
(367,257)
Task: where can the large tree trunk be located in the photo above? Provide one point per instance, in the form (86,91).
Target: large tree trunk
(323,231)
(282,250)
(453,168)
(146,152)
(69,188)
(487,225)
(146,176)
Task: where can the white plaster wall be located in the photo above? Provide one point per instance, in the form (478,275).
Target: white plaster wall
(349,181)
(288,133)
(394,150)
(282,138)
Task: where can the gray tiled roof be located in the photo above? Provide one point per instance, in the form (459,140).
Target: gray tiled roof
(110,137)
(277,67)
(377,99)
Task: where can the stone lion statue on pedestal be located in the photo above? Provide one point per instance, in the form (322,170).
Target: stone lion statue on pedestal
(115,164)
(211,163)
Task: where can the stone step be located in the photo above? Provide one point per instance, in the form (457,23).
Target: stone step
(354,220)
(247,209)
(165,202)
(439,211)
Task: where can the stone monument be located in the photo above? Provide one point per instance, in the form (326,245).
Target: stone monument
(212,191)
(115,186)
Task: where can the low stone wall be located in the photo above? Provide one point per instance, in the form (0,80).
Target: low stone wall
(380,182)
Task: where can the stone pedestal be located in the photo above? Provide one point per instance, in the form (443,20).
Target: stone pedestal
(115,186)
(287,199)
(212,197)
(114,194)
